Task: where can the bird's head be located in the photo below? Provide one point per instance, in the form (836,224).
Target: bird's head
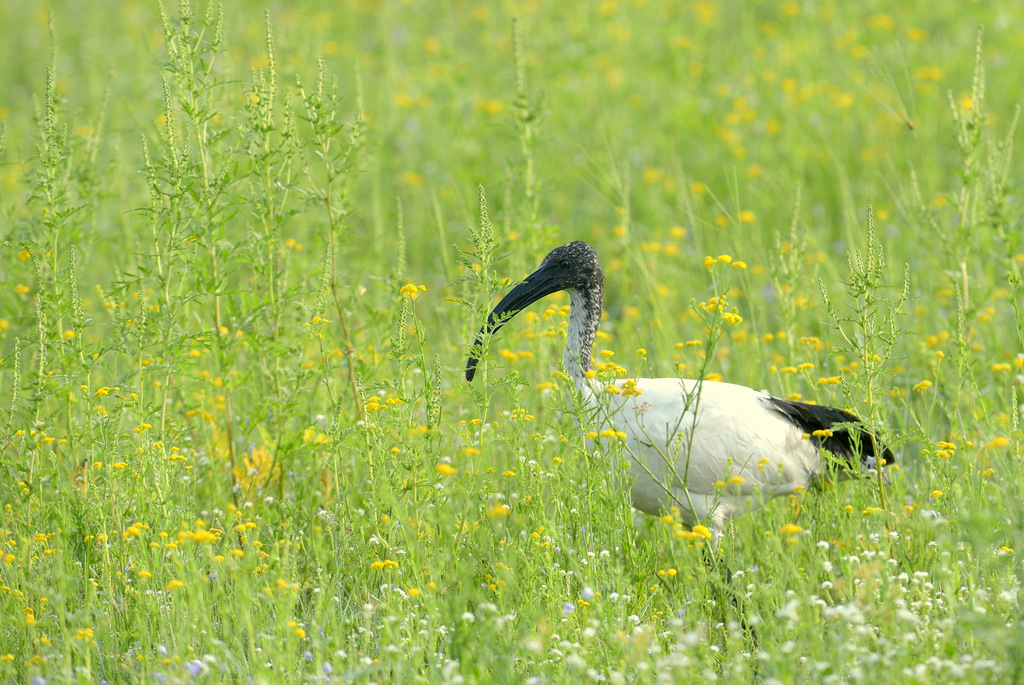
(573,266)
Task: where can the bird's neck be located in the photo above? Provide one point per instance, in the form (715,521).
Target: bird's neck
(584,318)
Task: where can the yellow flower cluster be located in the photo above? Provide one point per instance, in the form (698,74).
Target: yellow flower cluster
(696,533)
(498,509)
(710,261)
(732,318)
(373,403)
(610,368)
(412,291)
(713,304)
(629,388)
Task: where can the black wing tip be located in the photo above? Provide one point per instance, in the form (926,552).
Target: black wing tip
(473,360)
(849,444)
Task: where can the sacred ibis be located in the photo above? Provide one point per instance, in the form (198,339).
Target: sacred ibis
(684,438)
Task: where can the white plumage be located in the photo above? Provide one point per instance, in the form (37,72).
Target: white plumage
(685,438)
(713,450)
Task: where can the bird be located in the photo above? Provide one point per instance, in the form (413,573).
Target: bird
(685,438)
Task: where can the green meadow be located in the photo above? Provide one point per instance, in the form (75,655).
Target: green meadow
(244,250)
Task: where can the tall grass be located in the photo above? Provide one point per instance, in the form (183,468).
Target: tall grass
(243,257)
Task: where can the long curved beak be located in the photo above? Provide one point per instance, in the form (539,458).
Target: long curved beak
(540,283)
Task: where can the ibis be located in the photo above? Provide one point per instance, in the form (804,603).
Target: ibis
(713,450)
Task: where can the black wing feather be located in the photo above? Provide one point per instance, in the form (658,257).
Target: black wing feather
(853,444)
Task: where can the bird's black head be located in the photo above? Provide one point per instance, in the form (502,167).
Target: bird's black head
(573,266)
